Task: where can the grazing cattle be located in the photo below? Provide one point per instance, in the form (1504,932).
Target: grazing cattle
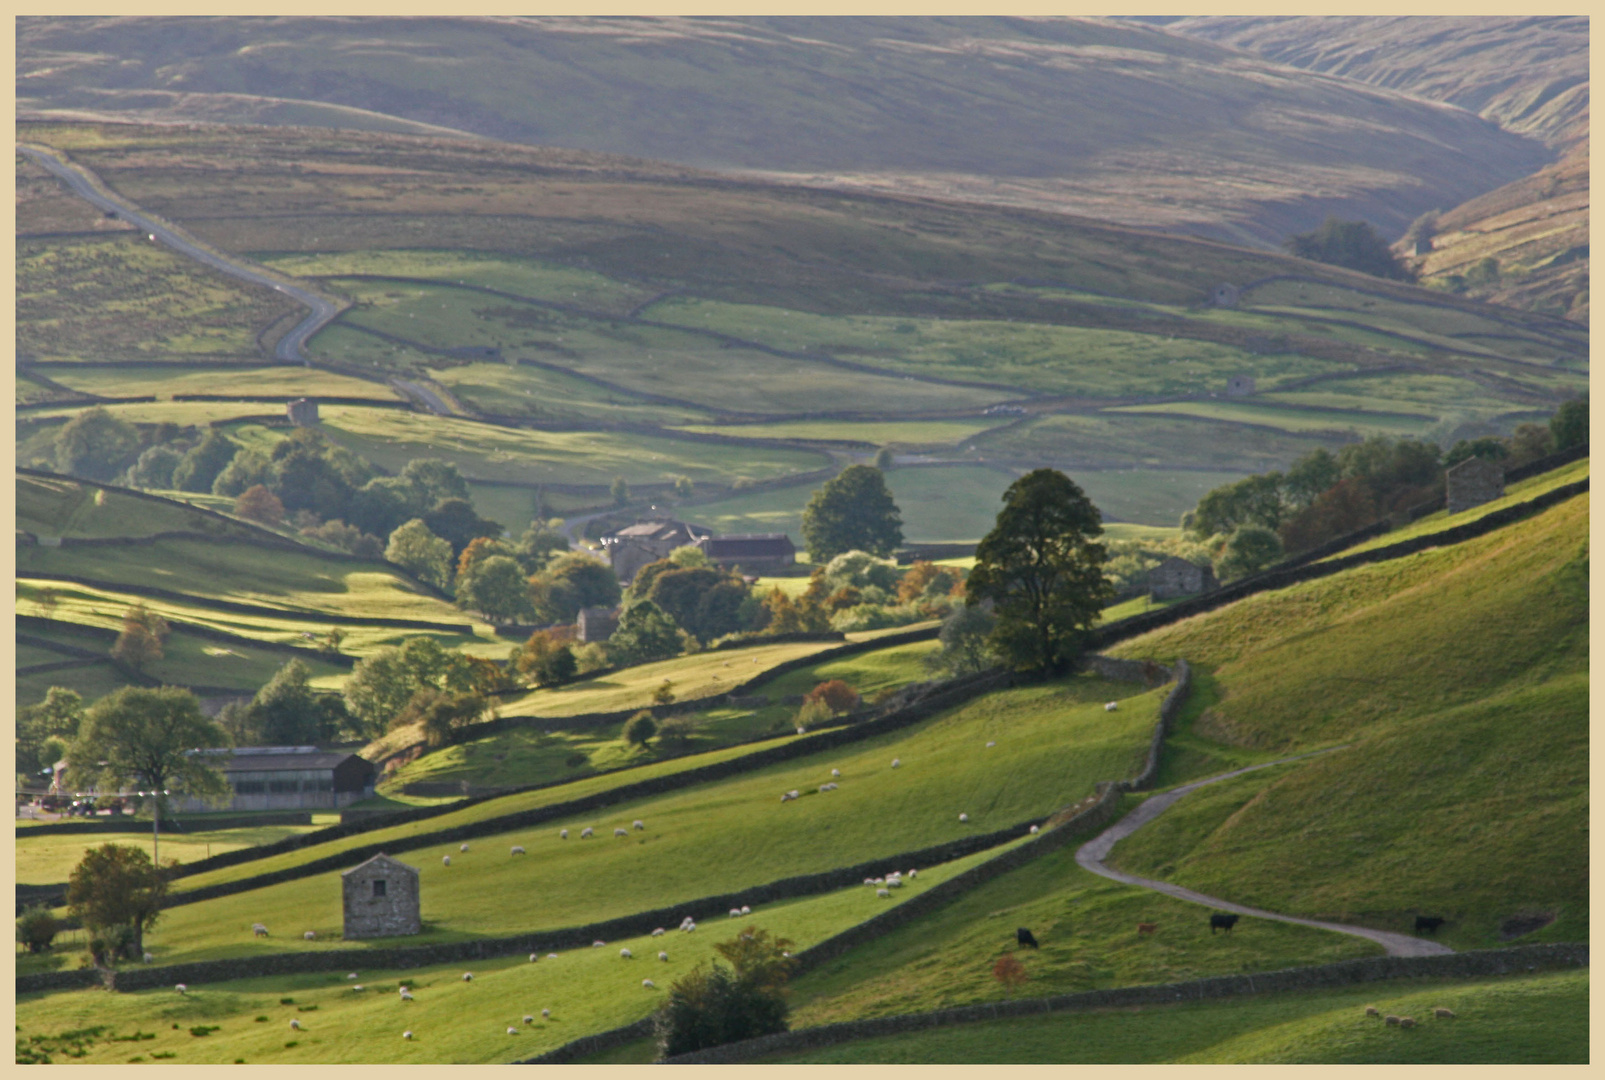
(1428,923)
(1147,927)
(1022,936)
(1221,922)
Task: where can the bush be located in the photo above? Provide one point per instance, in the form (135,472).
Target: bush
(836,695)
(676,729)
(1250,549)
(813,713)
(260,505)
(37,928)
(640,729)
(718,1005)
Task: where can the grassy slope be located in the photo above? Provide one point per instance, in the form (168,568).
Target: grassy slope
(1533,1019)
(1458,679)
(1054,741)
(43,859)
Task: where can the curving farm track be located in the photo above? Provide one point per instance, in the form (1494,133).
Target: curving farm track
(1090,856)
(291,347)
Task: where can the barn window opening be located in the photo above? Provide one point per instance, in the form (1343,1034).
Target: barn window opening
(378,888)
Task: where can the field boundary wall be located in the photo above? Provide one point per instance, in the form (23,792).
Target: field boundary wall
(1512,961)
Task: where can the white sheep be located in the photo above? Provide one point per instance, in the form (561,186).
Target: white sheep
(310,935)
(735,913)
(664,957)
(518,849)
(687,921)
(1111,706)
(464,847)
(512,1031)
(785,797)
(405,996)
(406,1035)
(295,1025)
(658,932)
(883,893)
(990,745)
(835,772)
(563,835)
(649,984)
(964,817)
(353,975)
(598,944)
(533,957)
(896,762)
(802,731)
(626,954)
(551,956)
(913,873)
(259,930)
(585,833)
(546,1014)
(529,1019)
(691,928)
(148,958)
(445,860)
(869,881)
(640,825)
(621,832)
(181,988)
(894,883)
(1033,830)
(746,910)
(354,989)
(468,976)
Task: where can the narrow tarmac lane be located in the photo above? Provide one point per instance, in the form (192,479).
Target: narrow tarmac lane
(291,347)
(1090,856)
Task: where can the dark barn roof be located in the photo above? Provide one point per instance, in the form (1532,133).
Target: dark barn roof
(750,545)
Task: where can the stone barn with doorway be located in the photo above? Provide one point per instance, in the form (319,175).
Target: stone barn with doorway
(1473,482)
(1239,386)
(1225,295)
(380,899)
(1177,577)
(303,412)
(630,548)
(597,623)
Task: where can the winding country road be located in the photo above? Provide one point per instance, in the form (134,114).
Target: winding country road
(291,347)
(1091,855)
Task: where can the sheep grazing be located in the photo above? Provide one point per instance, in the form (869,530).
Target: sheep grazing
(990,745)
(658,932)
(1372,1010)
(1034,830)
(691,928)
(585,834)
(529,1019)
(794,794)
(598,944)
(1391,1020)
(626,954)
(463,847)
(735,913)
(802,731)
(405,996)
(181,988)
(664,957)
(621,832)
(356,988)
(546,1014)
(894,883)
(964,817)
(649,984)
(406,1035)
(353,975)
(295,1025)
(640,826)
(563,835)
(883,893)
(259,930)
(869,881)
(445,860)
(1407,1021)
(518,849)
(512,1031)
(1444,1014)
(1111,707)
(468,976)
(148,958)
(533,957)
(913,873)
(551,956)
(835,772)
(896,762)
(785,797)
(310,935)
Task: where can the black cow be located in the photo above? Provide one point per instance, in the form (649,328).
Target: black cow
(1428,923)
(1025,937)
(1221,922)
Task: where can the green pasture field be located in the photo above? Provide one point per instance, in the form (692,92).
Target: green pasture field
(30,390)
(61,506)
(182,413)
(1037,357)
(120,297)
(524,390)
(1053,742)
(1457,679)
(1519,492)
(680,364)
(1294,420)
(1444,396)
(1525,1019)
(534,278)
(910,434)
(288,380)
(91,681)
(1126,440)
(44,859)
(106,607)
(526,756)
(453,1021)
(484,451)
(242,573)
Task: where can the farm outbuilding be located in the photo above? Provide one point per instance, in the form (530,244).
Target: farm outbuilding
(290,778)
(1473,482)
(380,898)
(632,547)
(753,552)
(1177,577)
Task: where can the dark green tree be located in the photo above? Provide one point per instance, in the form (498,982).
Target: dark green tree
(36,929)
(645,633)
(433,480)
(96,445)
(154,468)
(497,588)
(116,892)
(1249,550)
(1042,569)
(56,717)
(1353,244)
(717,1005)
(1569,426)
(286,711)
(202,465)
(704,601)
(620,491)
(1489,448)
(1252,500)
(539,545)
(852,511)
(641,728)
(963,639)
(455,521)
(571,582)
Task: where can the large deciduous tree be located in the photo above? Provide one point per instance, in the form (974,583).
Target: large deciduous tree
(1042,569)
(496,588)
(421,553)
(852,511)
(116,892)
(143,635)
(96,445)
(1355,245)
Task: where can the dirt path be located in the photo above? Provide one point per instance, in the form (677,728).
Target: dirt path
(1092,854)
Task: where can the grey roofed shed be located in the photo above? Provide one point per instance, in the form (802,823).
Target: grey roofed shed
(380,898)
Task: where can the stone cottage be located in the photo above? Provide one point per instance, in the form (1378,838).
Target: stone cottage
(1177,577)
(303,412)
(380,899)
(1239,386)
(1472,483)
(632,547)
(597,623)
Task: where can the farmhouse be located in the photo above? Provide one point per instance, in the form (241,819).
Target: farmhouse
(633,546)
(752,552)
(1177,577)
(380,899)
(1472,483)
(289,778)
